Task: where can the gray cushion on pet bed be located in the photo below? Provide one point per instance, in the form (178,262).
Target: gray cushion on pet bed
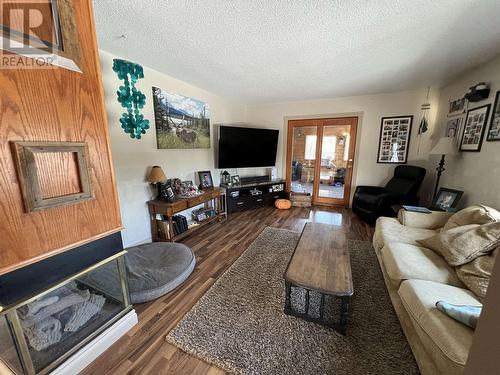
(153,270)
(157,268)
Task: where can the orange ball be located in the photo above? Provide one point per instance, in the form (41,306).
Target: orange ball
(283,204)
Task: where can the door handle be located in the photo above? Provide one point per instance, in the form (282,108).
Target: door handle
(349,164)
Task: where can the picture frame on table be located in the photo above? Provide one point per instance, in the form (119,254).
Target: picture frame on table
(394,140)
(188,184)
(167,193)
(235,180)
(494,130)
(206,181)
(446,199)
(474,128)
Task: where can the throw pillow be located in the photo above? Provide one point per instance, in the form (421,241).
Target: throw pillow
(476,274)
(468,315)
(464,244)
(476,214)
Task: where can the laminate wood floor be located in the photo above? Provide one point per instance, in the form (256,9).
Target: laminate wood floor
(144,350)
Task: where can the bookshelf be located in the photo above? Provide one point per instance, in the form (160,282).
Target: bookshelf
(209,198)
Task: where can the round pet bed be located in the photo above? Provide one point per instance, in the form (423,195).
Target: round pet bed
(156,268)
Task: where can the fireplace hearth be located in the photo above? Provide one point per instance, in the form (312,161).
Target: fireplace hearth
(40,330)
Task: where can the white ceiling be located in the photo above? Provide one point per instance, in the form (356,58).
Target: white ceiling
(266,51)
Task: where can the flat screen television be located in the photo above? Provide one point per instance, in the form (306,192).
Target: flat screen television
(247,147)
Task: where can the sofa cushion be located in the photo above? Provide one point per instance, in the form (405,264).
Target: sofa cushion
(476,214)
(476,274)
(390,230)
(434,220)
(463,244)
(450,337)
(405,261)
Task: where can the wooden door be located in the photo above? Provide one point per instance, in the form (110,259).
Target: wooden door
(320,156)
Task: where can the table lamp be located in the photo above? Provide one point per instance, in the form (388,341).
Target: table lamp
(156,177)
(445,146)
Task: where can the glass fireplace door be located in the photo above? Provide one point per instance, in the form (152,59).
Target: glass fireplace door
(40,333)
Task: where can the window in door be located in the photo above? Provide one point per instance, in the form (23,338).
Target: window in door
(310,148)
(329,148)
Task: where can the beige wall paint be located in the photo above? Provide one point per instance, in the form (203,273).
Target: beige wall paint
(370,108)
(133,158)
(476,173)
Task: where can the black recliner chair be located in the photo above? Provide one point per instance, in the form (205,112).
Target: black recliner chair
(371,202)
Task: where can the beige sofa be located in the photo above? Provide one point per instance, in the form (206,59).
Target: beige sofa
(416,278)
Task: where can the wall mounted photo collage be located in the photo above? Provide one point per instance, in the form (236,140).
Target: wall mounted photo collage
(469,125)
(394,139)
(475,125)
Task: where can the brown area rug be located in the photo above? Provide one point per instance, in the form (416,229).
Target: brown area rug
(240,326)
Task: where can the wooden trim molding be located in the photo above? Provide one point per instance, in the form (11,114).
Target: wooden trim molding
(29,176)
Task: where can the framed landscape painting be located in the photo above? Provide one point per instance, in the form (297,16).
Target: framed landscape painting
(394,139)
(494,132)
(475,125)
(181,121)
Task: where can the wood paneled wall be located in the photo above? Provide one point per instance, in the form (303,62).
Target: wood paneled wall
(55,105)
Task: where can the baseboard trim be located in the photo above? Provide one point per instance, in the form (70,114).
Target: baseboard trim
(94,349)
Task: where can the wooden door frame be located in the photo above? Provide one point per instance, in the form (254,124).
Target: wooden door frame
(319,123)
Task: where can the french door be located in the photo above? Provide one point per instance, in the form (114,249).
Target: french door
(320,155)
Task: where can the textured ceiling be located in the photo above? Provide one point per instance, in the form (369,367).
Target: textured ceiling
(266,51)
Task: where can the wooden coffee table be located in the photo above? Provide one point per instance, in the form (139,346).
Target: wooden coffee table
(321,263)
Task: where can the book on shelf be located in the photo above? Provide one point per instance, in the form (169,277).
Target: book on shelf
(180,224)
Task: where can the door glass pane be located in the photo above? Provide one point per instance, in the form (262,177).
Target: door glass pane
(303,158)
(334,161)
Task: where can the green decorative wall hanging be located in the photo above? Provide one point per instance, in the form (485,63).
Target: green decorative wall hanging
(132,121)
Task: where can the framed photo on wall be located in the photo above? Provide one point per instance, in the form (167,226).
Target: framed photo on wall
(394,141)
(475,125)
(494,131)
(457,107)
(454,128)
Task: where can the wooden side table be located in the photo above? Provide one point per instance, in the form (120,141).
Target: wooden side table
(170,209)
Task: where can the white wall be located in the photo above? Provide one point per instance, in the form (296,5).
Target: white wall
(132,158)
(371,108)
(476,173)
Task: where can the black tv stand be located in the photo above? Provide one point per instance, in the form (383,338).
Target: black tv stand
(254,192)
